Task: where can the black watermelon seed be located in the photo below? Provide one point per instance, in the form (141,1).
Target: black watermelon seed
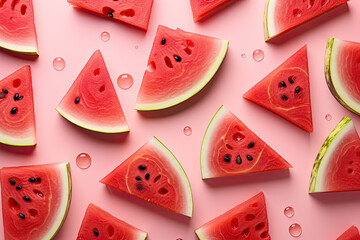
(38,180)
(177,58)
(12,181)
(297,90)
(110,15)
(5,91)
(96,232)
(142,167)
(22,216)
(26,199)
(163,41)
(138,178)
(227,159)
(291,80)
(77,100)
(19,187)
(32,179)
(13,110)
(250,158)
(284,97)
(147,176)
(139,186)
(238,159)
(21,98)
(251,145)
(282,84)
(16,97)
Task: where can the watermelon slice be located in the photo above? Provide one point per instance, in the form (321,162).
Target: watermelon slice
(91,101)
(182,63)
(247,220)
(98,224)
(153,174)
(351,234)
(133,12)
(201,8)
(17,109)
(286,91)
(342,72)
(35,200)
(17,27)
(337,165)
(230,148)
(283,15)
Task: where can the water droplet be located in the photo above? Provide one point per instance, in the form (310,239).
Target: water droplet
(328,117)
(187,131)
(83,160)
(258,55)
(136,46)
(295,230)
(125,81)
(59,64)
(105,36)
(289,212)
(243,55)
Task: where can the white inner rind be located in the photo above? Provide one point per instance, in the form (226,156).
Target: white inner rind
(18,141)
(269,20)
(30,50)
(206,143)
(142,235)
(179,169)
(195,89)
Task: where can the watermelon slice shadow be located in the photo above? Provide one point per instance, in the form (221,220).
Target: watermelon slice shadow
(336,197)
(145,206)
(310,25)
(25,150)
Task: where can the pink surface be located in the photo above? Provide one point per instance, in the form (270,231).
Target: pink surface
(74,35)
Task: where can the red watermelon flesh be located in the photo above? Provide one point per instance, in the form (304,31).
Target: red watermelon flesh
(182,63)
(230,148)
(351,234)
(201,8)
(17,109)
(284,15)
(246,221)
(153,174)
(99,224)
(35,200)
(133,12)
(286,91)
(17,27)
(91,101)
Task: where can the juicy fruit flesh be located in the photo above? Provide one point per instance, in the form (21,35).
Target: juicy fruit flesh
(351,234)
(176,59)
(201,8)
(35,209)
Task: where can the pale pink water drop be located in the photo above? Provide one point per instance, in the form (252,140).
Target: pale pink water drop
(125,81)
(328,117)
(295,230)
(59,63)
(289,212)
(136,46)
(258,55)
(83,160)
(187,131)
(105,36)
(243,55)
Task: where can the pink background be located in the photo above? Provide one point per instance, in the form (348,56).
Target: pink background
(74,35)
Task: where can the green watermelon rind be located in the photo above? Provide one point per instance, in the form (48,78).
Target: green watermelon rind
(17,142)
(179,99)
(265,22)
(333,80)
(27,50)
(322,159)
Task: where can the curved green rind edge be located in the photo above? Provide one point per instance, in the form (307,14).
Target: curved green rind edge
(70,119)
(186,177)
(68,173)
(207,132)
(323,150)
(330,79)
(16,144)
(207,78)
(265,22)
(31,51)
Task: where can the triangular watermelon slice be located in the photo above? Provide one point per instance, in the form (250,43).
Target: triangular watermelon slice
(17,27)
(230,148)
(351,234)
(17,116)
(35,200)
(99,224)
(283,15)
(91,101)
(247,220)
(153,174)
(337,165)
(201,8)
(133,12)
(180,65)
(286,91)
